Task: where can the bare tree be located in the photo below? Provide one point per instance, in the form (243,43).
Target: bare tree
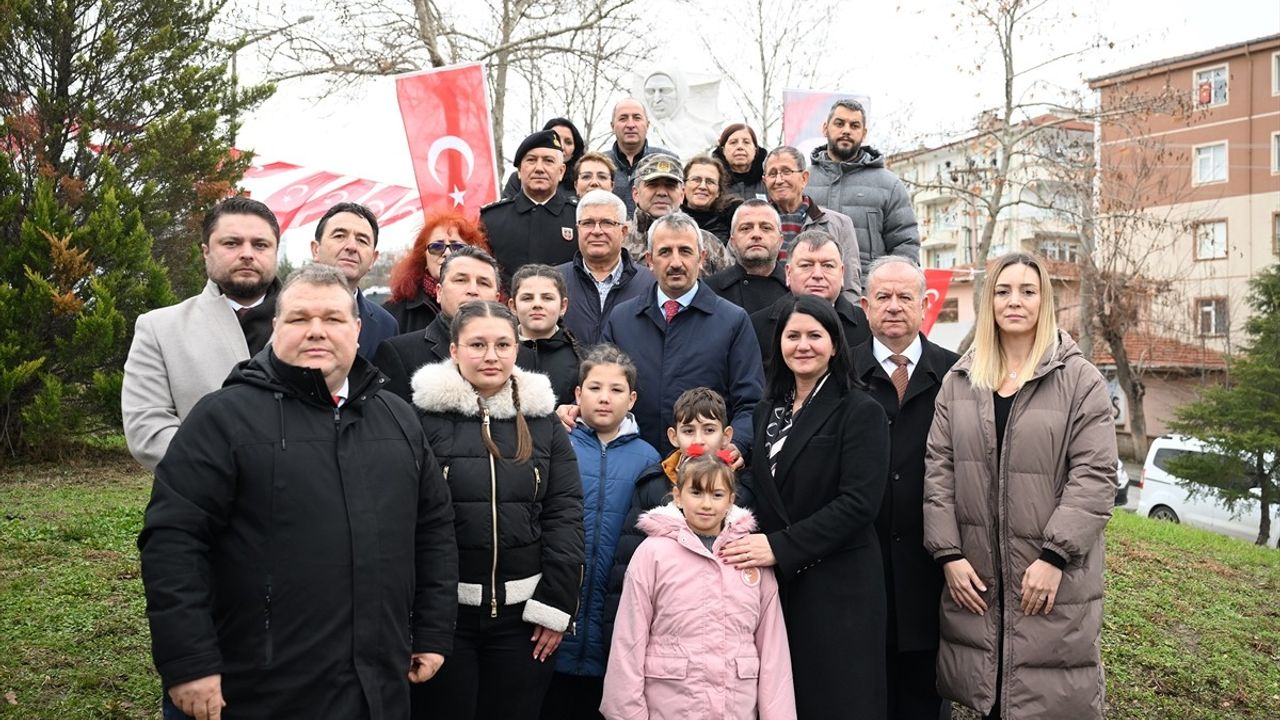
(537,40)
(768,47)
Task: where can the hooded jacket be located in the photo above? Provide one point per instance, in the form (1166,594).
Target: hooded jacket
(609,474)
(1051,490)
(557,358)
(299,549)
(695,637)
(519,526)
(873,197)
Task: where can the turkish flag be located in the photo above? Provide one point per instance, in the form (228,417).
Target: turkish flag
(287,201)
(446,118)
(936,283)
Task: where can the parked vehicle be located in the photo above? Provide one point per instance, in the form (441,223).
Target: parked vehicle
(1122,484)
(1166,497)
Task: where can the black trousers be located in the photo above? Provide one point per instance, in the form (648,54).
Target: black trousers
(913,686)
(491,675)
(573,697)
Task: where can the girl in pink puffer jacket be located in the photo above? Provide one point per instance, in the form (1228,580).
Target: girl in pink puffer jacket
(694,637)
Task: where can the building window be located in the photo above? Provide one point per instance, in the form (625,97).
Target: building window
(1060,250)
(1209,163)
(1275,153)
(1211,86)
(1275,73)
(950,311)
(1211,316)
(1211,240)
(943,217)
(1275,233)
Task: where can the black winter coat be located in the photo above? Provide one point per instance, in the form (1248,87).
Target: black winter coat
(818,513)
(414,314)
(533,510)
(557,358)
(913,580)
(282,542)
(753,293)
(400,357)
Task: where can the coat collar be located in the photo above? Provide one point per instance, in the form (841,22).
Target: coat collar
(735,274)
(705,300)
(439,387)
(829,399)
(929,371)
(668,521)
(557,202)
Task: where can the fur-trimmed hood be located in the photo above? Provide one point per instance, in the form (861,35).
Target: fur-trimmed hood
(668,521)
(439,387)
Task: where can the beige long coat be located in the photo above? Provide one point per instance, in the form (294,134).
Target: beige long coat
(1054,491)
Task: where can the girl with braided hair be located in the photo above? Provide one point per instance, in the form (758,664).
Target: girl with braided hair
(517,506)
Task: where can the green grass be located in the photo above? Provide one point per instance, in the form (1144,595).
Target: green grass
(1192,625)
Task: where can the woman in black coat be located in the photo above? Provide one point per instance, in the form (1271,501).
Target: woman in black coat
(819,462)
(517,502)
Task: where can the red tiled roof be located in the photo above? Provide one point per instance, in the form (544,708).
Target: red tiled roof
(1156,352)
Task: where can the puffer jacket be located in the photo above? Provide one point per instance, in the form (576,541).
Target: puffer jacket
(609,474)
(873,197)
(518,526)
(697,638)
(557,358)
(1053,491)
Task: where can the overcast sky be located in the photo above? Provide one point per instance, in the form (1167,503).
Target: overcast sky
(928,73)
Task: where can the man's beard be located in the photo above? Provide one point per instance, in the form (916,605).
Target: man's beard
(246,290)
(841,154)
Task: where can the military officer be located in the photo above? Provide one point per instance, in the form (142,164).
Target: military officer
(537,225)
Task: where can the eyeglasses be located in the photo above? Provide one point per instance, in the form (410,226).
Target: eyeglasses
(478,349)
(703,181)
(605,225)
(438,247)
(603,177)
(781,173)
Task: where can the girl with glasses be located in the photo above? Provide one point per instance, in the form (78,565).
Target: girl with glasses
(517,504)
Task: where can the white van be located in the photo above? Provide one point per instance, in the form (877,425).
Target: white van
(1163,498)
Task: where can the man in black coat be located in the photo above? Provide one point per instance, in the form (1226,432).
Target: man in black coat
(757,280)
(469,273)
(894,303)
(814,268)
(537,225)
(602,272)
(298,552)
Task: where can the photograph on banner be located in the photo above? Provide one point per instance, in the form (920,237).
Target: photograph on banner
(804,112)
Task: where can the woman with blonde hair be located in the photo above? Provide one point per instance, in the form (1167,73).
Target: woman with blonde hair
(1017,492)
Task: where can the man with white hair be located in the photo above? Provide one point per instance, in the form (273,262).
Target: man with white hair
(903,372)
(602,273)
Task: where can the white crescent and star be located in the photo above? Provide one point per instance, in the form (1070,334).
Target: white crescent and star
(460,146)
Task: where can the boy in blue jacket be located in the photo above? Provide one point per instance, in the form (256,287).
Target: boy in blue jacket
(611,457)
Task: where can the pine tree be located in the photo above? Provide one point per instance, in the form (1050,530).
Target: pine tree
(1241,421)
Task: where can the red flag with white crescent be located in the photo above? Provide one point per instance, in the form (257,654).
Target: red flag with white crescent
(936,283)
(446,119)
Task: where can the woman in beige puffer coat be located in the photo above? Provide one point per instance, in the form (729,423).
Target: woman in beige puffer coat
(1018,489)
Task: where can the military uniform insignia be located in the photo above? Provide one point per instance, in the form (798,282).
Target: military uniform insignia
(566,233)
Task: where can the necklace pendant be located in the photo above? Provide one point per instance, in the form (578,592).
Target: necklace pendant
(1013,375)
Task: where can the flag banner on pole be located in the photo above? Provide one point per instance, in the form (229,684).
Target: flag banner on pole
(936,283)
(447,122)
(299,196)
(804,111)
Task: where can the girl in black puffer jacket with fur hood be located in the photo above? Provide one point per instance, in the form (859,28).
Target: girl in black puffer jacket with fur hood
(517,501)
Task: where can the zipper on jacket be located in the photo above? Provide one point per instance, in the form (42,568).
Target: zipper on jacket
(445,471)
(493,510)
(595,545)
(537,482)
(266,624)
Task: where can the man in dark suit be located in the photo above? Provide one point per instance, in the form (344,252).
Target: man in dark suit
(814,268)
(903,372)
(347,239)
(469,273)
(758,279)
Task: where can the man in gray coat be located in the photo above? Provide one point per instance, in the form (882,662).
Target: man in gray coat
(850,178)
(183,352)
